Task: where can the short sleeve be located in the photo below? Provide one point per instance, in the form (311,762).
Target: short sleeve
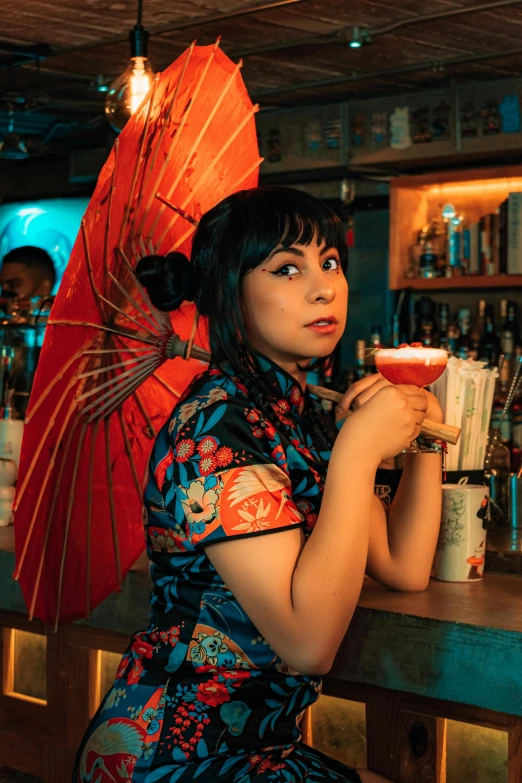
(230,477)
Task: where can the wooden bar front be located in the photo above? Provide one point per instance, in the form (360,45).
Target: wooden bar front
(414,659)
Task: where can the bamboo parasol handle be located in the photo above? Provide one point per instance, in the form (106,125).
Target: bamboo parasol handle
(432,429)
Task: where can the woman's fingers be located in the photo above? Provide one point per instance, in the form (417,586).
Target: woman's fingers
(365,384)
(369,393)
(416,397)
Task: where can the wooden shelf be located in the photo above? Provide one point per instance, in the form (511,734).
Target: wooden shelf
(472,281)
(417,199)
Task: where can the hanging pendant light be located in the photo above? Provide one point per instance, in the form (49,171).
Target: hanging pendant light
(127,92)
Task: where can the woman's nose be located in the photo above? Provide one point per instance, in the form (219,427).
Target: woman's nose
(322,288)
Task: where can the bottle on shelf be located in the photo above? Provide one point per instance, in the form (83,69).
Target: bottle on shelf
(478,328)
(444,317)
(464,345)
(489,344)
(426,332)
(501,394)
(507,336)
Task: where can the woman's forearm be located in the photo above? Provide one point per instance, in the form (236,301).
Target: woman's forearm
(328,577)
(414,518)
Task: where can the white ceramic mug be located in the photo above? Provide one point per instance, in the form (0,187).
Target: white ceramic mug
(461,548)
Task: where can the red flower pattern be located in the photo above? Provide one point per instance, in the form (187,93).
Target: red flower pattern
(213,693)
(143,649)
(207,465)
(207,446)
(224,456)
(184,450)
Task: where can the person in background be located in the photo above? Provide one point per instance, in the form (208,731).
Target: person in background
(27,272)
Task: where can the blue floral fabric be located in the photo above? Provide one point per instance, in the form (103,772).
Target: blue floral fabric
(200,695)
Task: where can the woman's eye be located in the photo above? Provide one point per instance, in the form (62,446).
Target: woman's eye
(331,263)
(283,271)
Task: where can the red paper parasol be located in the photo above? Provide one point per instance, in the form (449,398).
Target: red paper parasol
(102,390)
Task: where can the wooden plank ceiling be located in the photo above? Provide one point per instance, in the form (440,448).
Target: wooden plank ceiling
(294,52)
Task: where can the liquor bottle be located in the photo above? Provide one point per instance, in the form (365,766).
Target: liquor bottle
(464,346)
(507,338)
(396,337)
(478,328)
(375,345)
(360,350)
(452,338)
(426,332)
(489,345)
(501,394)
(444,315)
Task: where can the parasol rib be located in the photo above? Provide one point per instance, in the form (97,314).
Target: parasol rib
(130,335)
(48,389)
(182,126)
(177,210)
(188,157)
(36,455)
(111,501)
(113,397)
(166,385)
(171,151)
(129,454)
(108,221)
(159,314)
(208,171)
(138,162)
(89,520)
(68,520)
(152,429)
(56,492)
(126,376)
(155,324)
(106,368)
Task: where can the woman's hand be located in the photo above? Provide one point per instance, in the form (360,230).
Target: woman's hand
(387,419)
(363,390)
(359,393)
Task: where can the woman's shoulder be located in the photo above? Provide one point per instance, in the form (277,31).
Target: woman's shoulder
(211,396)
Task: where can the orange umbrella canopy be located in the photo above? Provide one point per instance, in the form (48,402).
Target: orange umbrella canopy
(102,389)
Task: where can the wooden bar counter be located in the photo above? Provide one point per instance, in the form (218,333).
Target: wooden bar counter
(414,659)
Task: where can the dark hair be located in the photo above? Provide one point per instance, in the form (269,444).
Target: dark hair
(233,238)
(33,258)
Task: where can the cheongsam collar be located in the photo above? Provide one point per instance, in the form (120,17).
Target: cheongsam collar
(286,388)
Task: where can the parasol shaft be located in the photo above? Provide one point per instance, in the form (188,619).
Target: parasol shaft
(432,429)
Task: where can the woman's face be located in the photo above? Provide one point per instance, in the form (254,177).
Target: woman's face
(289,291)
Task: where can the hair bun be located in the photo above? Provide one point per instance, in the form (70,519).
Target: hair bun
(168,280)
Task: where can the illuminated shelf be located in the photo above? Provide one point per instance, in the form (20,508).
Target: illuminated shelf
(472,281)
(417,199)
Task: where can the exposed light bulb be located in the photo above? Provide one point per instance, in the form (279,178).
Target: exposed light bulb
(128,91)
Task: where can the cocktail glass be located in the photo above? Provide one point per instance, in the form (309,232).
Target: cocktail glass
(411,365)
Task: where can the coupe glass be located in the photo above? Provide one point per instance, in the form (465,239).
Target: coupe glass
(415,366)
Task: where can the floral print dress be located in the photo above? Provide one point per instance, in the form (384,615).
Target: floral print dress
(200,695)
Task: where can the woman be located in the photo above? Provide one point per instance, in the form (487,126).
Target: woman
(258,531)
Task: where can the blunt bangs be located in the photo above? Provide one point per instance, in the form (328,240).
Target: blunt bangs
(281,217)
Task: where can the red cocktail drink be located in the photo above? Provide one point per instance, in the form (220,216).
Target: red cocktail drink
(411,365)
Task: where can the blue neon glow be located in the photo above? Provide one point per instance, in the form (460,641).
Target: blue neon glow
(51,224)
